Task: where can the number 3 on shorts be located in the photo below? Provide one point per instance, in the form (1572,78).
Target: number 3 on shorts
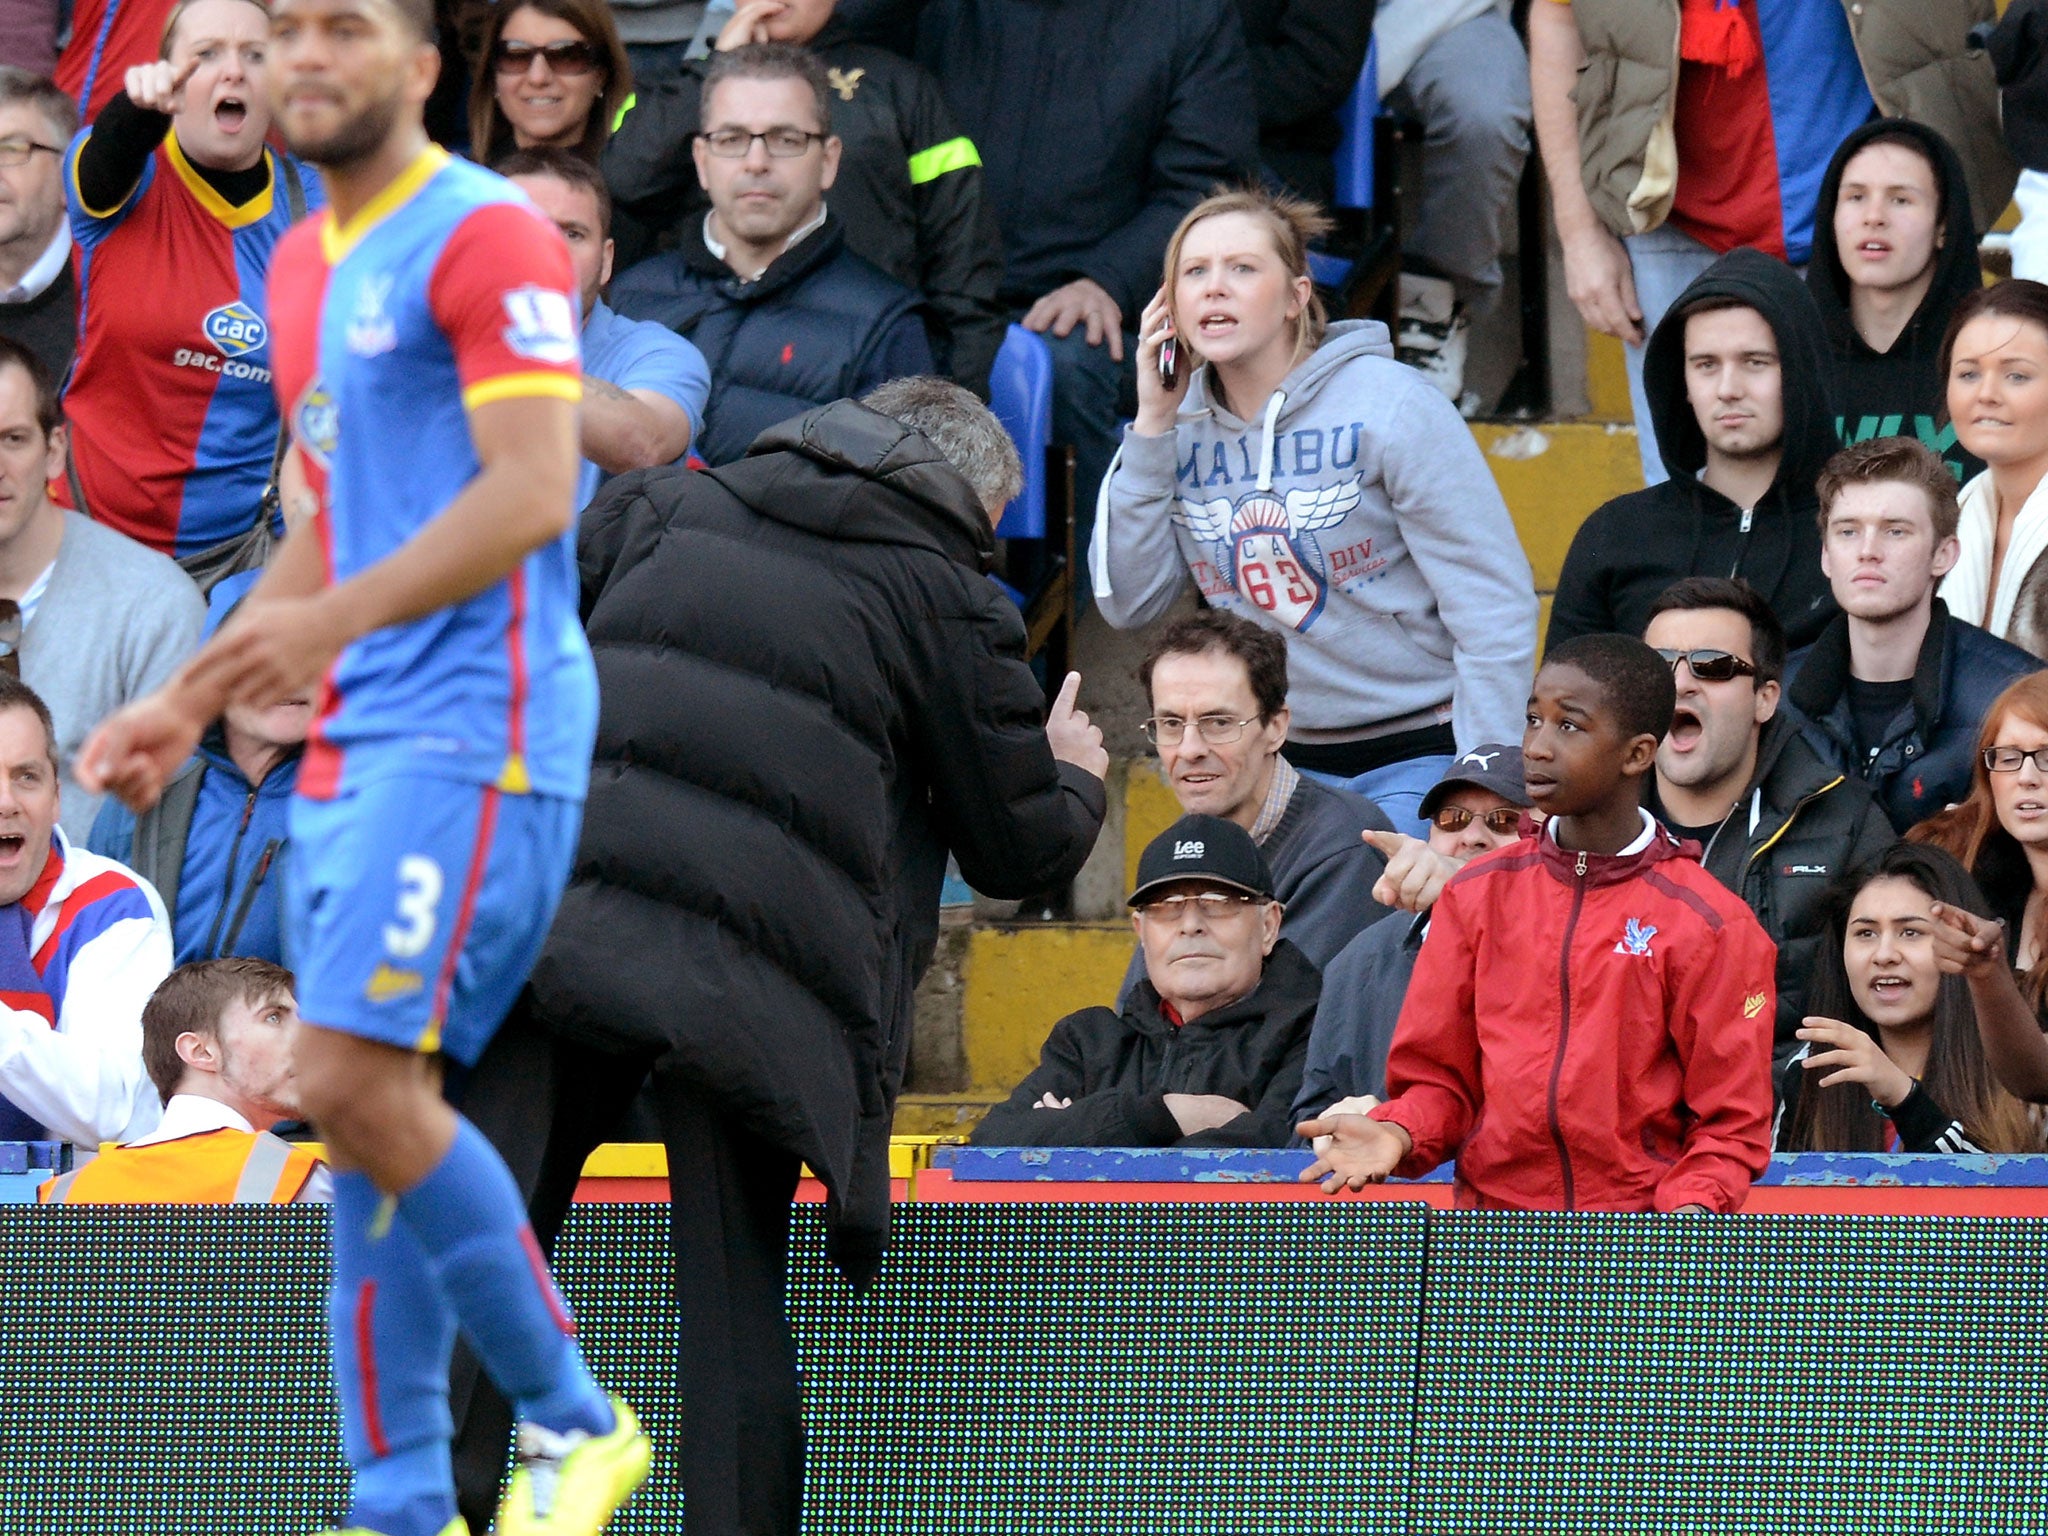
(419,892)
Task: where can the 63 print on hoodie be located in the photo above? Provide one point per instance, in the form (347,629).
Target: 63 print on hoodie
(1640,1081)
(1359,520)
(1900,391)
(1630,550)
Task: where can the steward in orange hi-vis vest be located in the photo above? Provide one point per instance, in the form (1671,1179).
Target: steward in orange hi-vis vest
(224,1167)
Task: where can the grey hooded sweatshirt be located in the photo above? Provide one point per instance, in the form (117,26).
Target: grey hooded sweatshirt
(1359,519)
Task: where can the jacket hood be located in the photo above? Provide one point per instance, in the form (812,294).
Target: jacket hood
(1955,261)
(1773,290)
(1344,342)
(845,472)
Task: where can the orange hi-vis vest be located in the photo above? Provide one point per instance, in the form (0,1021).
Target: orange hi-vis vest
(224,1167)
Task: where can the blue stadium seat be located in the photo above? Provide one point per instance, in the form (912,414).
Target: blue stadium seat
(1037,527)
(1355,149)
(1361,271)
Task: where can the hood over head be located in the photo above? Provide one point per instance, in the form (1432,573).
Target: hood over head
(1956,271)
(846,472)
(1771,288)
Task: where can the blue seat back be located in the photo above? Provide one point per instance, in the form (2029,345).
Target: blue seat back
(1020,393)
(1354,150)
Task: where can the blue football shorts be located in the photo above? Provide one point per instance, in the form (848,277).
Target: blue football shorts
(415,907)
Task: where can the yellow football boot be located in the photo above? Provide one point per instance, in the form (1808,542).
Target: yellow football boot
(572,1484)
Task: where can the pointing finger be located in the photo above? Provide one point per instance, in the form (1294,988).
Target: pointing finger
(1070,690)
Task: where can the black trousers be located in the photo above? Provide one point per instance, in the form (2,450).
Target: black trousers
(545,1104)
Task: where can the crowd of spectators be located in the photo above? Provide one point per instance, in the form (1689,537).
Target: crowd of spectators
(1839,560)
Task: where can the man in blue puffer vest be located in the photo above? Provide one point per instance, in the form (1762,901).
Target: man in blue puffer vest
(214,845)
(763,285)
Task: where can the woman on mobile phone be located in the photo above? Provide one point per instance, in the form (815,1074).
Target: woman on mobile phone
(1892,1060)
(1300,476)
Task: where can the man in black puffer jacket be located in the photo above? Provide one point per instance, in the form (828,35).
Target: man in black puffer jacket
(764,285)
(811,691)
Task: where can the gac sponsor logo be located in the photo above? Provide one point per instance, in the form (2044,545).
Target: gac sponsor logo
(213,362)
(235,329)
(316,423)
(388,983)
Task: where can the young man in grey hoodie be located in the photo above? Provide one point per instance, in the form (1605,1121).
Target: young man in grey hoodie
(1352,511)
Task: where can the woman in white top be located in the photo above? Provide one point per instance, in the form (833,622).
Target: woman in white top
(1995,359)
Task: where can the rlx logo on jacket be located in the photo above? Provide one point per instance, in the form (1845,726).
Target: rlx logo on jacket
(1635,937)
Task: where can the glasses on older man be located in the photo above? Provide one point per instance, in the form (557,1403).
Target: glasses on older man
(1217,730)
(1500,821)
(569,57)
(1215,906)
(737,143)
(18,152)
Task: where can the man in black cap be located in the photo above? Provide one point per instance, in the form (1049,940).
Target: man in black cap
(1208,1049)
(1474,808)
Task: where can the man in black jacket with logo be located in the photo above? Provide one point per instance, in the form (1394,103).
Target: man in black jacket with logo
(786,316)
(1208,1049)
(811,692)
(1896,688)
(908,193)
(1774,821)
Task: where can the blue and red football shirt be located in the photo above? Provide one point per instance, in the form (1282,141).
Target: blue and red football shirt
(1754,142)
(173,420)
(449,291)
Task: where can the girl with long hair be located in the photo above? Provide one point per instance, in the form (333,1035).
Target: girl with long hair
(1302,478)
(1892,1060)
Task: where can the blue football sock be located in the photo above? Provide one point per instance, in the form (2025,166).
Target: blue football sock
(468,1217)
(392,1334)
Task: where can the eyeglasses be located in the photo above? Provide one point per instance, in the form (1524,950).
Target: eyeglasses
(1709,666)
(10,636)
(17,152)
(1217,730)
(737,143)
(1998,759)
(1215,906)
(565,58)
(1500,821)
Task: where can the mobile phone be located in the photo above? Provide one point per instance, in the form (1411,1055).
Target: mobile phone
(1169,362)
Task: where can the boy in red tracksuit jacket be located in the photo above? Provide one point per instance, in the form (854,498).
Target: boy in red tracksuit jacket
(1589,1025)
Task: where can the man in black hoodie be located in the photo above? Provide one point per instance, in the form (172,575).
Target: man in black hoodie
(1207,1050)
(811,691)
(1741,393)
(1894,249)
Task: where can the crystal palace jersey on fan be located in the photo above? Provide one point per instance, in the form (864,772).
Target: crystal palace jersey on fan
(445,293)
(169,402)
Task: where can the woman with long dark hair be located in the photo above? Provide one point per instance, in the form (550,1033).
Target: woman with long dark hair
(1892,1060)
(552,74)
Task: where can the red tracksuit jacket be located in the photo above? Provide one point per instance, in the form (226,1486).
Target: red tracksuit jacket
(1588,1032)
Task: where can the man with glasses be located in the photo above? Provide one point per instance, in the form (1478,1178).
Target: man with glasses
(88,618)
(1774,821)
(1895,688)
(38,297)
(1217,685)
(764,285)
(1207,1050)
(1476,807)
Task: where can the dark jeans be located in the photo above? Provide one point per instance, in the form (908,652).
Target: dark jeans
(545,1104)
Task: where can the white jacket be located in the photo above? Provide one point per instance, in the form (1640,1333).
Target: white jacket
(107,942)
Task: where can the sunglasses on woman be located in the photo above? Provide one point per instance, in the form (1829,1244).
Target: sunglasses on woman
(570,58)
(1709,666)
(1500,821)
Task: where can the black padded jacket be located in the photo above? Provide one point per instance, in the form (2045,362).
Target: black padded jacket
(810,691)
